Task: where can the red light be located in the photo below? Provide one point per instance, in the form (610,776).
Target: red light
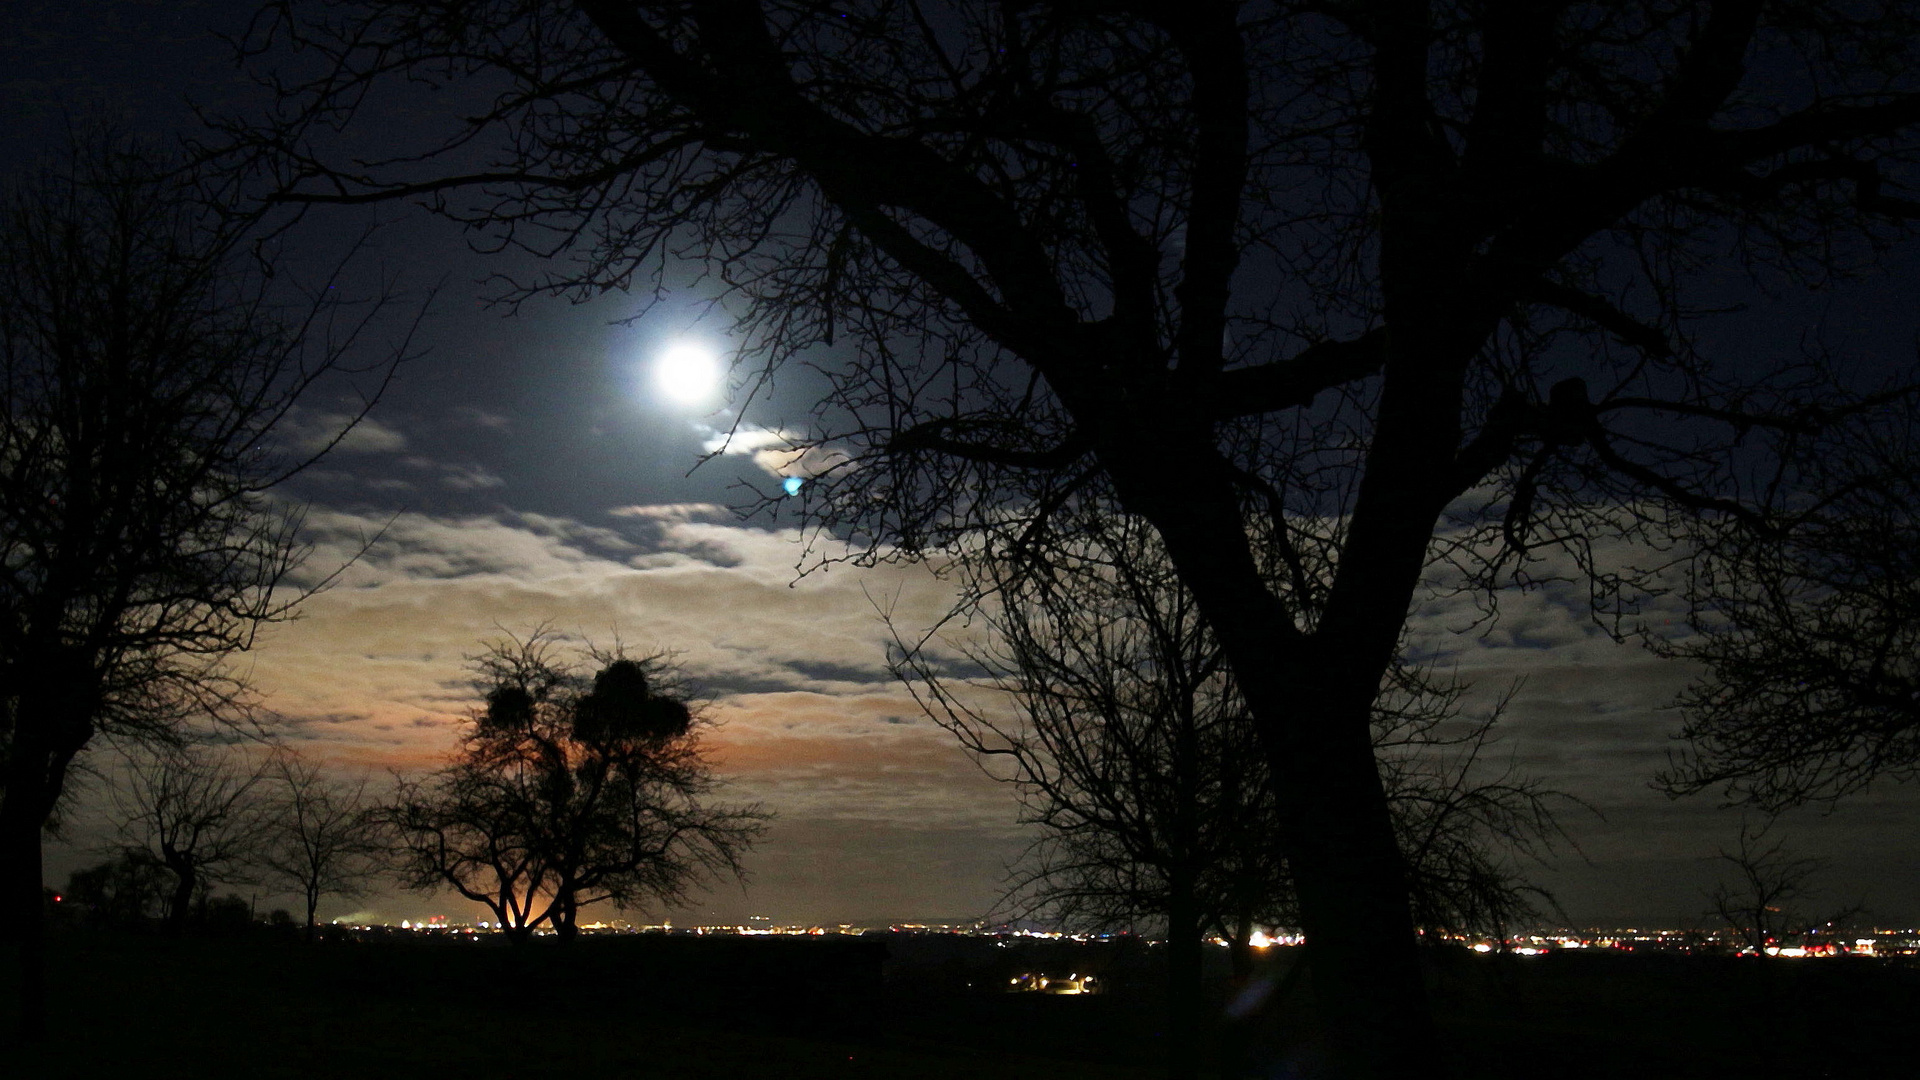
(57,898)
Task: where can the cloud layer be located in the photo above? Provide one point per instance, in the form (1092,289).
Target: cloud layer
(374,675)
(881,815)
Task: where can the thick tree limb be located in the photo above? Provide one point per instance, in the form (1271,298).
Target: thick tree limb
(1209,41)
(931,436)
(750,90)
(374,193)
(1600,312)
(1293,383)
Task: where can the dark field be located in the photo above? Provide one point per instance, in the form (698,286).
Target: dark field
(656,1006)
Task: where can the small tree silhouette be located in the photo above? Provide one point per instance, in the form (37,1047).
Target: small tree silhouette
(319,835)
(1764,904)
(193,811)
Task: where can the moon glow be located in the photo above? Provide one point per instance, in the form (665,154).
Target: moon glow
(688,373)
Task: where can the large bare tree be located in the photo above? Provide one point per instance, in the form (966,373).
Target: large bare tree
(148,364)
(1390,280)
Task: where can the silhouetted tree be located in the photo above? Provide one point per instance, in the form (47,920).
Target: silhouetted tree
(147,364)
(1128,748)
(1391,280)
(194,811)
(1764,904)
(459,829)
(223,915)
(319,834)
(1463,823)
(570,792)
(1133,754)
(120,892)
(1812,640)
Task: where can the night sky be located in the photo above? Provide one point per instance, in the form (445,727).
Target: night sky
(529,470)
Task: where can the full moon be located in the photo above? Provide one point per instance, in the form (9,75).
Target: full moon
(688,373)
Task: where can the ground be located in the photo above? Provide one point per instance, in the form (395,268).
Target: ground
(262,1007)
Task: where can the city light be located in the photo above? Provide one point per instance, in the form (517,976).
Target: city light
(1884,943)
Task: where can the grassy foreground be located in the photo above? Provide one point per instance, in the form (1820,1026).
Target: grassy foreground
(693,1009)
(151,1006)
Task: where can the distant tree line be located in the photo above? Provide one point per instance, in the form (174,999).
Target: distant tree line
(190,818)
(567,791)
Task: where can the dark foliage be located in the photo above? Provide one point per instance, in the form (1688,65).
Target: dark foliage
(121,892)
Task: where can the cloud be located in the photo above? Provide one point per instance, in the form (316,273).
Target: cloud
(805,463)
(314,432)
(468,478)
(780,453)
(745,439)
(388,642)
(374,674)
(469,416)
(457,476)
(671,511)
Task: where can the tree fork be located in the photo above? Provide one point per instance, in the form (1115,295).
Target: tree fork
(1313,712)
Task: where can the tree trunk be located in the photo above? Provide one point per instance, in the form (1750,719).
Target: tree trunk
(22,909)
(1184,983)
(313,904)
(1361,947)
(44,740)
(1350,878)
(1240,945)
(564,914)
(180,908)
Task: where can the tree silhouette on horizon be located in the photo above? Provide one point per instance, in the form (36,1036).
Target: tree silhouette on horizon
(569,791)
